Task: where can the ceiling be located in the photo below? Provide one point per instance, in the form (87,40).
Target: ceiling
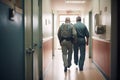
(18,3)
(62,5)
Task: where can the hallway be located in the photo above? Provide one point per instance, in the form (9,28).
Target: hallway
(55,70)
(28,29)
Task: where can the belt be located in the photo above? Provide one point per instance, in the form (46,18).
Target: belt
(80,36)
(67,39)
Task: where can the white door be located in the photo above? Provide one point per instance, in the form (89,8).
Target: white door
(33,39)
(37,40)
(28,40)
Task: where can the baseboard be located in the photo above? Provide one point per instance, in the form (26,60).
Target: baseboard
(101,71)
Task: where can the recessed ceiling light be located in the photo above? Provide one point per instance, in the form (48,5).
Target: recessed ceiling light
(75,1)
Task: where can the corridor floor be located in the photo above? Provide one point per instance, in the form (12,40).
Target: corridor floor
(55,70)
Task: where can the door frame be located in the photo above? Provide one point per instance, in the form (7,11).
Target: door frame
(90,31)
(28,26)
(53,35)
(27,12)
(40,55)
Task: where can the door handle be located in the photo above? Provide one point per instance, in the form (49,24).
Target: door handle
(35,44)
(30,51)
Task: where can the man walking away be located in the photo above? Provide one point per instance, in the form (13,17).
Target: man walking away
(82,41)
(66,34)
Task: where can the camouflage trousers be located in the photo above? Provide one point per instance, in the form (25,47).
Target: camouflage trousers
(67,50)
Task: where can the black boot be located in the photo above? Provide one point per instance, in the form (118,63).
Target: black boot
(65,69)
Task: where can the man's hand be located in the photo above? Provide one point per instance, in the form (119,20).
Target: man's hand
(87,43)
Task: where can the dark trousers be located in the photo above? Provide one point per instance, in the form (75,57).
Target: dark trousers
(79,59)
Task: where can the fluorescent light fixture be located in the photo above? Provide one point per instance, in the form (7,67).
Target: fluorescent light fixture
(75,1)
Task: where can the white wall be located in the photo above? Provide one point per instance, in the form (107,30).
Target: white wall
(47,18)
(103,7)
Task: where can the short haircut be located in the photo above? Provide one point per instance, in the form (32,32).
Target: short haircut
(67,19)
(78,18)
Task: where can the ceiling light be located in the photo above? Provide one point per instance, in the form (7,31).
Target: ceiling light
(75,1)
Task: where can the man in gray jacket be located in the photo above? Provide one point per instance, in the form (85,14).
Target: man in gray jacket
(66,34)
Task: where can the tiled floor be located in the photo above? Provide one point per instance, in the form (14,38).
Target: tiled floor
(55,70)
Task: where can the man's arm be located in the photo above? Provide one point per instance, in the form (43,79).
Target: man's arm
(74,33)
(59,35)
(87,40)
(87,36)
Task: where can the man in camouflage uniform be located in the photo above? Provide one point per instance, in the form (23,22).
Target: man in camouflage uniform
(65,40)
(82,41)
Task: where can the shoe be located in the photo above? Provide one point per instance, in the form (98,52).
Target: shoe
(65,69)
(76,63)
(69,66)
(81,69)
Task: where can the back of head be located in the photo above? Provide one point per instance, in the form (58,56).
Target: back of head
(67,20)
(78,18)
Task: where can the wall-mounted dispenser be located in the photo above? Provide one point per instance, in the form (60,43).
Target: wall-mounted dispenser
(100,29)
(12,10)
(11,14)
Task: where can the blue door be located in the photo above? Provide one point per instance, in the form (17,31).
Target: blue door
(11,45)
